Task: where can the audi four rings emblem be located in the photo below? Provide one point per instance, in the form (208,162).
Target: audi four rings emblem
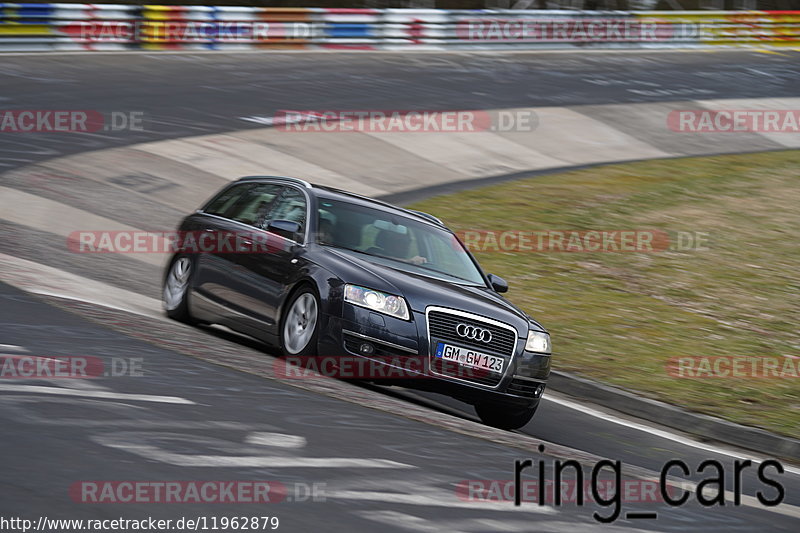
(474,333)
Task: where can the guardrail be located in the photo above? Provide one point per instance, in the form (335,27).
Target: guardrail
(42,27)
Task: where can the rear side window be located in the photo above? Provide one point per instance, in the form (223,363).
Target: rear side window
(226,199)
(256,204)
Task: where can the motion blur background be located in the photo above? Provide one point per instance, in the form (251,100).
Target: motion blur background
(601,154)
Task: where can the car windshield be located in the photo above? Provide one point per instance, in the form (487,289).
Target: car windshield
(397,241)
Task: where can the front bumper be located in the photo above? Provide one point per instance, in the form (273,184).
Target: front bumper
(405,346)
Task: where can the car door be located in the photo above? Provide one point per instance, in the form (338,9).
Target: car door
(268,271)
(212,267)
(231,222)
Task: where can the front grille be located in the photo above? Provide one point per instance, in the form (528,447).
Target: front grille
(443,327)
(524,387)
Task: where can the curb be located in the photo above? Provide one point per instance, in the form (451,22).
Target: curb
(698,425)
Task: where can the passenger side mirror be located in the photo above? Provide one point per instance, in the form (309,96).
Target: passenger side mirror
(498,283)
(285,228)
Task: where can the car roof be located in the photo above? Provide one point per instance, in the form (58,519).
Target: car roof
(332,193)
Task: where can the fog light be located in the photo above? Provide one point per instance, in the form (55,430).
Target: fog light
(366,348)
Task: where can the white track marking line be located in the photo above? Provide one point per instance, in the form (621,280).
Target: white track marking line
(434,499)
(403,520)
(77,384)
(278,440)
(35,389)
(12,348)
(411,522)
(746,500)
(246,461)
(751,501)
(660,432)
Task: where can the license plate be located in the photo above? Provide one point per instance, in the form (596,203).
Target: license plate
(471,358)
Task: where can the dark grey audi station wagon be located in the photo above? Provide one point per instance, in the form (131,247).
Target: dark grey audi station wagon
(343,275)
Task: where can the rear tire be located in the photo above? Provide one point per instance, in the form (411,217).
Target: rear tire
(505,416)
(175,292)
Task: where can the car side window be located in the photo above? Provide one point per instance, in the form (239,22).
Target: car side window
(256,204)
(290,205)
(225,200)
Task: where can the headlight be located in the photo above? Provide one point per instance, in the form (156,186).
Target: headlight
(539,342)
(377,301)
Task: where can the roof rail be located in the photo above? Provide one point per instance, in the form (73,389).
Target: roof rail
(298,181)
(427,216)
(360,196)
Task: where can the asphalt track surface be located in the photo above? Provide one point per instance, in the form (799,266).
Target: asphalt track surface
(194,94)
(221,430)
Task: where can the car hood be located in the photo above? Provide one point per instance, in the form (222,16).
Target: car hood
(422,291)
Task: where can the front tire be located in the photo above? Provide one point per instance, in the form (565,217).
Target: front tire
(505,416)
(175,293)
(300,326)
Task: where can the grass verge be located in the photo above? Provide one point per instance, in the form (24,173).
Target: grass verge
(622,318)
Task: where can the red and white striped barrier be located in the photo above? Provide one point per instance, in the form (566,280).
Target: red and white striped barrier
(41,27)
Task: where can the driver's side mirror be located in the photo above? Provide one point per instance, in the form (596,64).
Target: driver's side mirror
(498,283)
(287,229)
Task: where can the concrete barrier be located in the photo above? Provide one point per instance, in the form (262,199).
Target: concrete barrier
(42,27)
